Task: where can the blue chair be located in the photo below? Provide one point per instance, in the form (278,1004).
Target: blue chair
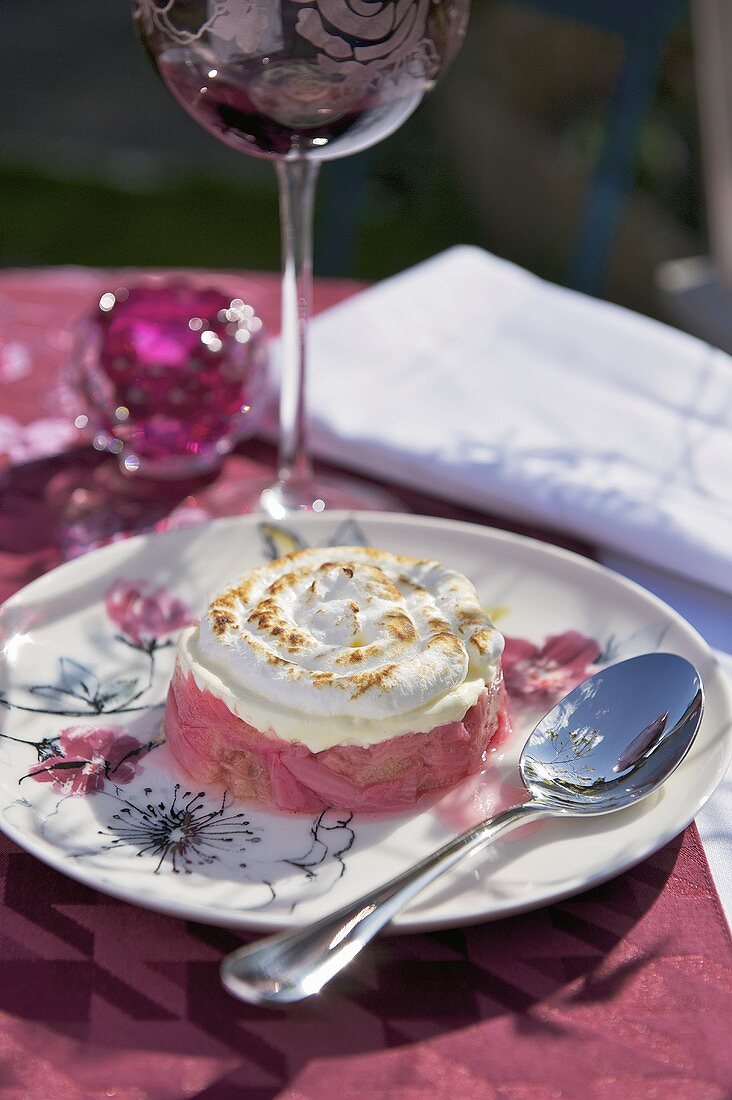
(643,26)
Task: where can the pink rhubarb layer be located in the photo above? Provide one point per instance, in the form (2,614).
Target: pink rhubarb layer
(214,746)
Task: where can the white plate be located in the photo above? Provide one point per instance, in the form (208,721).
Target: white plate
(147,835)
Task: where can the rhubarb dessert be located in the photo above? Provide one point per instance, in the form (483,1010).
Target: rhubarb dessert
(338,676)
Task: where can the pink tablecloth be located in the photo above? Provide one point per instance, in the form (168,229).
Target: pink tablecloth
(622,992)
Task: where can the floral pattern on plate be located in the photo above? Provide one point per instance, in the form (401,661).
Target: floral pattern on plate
(103,795)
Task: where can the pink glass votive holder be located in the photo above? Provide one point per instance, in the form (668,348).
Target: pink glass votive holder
(171,377)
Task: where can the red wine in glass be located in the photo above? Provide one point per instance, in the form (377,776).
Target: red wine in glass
(276,110)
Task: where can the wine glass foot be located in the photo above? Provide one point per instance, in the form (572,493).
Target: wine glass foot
(290,496)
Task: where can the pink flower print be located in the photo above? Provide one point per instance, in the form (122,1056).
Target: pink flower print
(144,614)
(87,756)
(541,675)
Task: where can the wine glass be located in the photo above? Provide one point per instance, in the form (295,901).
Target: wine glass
(300,82)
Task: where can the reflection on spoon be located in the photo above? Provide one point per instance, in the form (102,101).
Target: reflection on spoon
(648,737)
(585,757)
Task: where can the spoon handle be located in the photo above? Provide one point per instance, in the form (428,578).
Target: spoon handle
(293,965)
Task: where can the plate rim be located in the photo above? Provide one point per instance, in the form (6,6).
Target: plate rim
(243,920)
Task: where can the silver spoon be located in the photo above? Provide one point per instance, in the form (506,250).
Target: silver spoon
(609,743)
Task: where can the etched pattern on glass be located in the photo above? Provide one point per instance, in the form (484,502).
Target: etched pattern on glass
(370,40)
(247,24)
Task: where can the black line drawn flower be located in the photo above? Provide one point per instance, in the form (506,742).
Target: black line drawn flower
(278,540)
(180,830)
(145,617)
(329,821)
(78,693)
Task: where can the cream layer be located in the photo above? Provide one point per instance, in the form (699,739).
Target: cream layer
(318,732)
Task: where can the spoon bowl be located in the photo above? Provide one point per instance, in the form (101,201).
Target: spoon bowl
(609,743)
(615,738)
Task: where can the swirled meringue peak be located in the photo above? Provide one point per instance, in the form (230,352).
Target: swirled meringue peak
(346,633)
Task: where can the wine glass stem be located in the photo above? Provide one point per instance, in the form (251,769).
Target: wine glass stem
(297,179)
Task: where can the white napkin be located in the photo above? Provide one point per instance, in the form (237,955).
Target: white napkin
(469,378)
(711,613)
